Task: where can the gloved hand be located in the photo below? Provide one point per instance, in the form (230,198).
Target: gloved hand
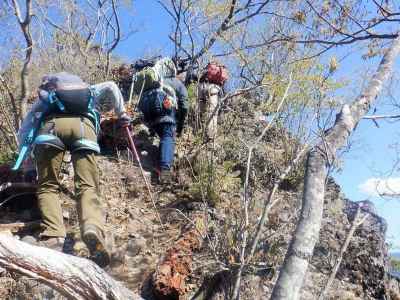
(179,129)
(152,132)
(124,120)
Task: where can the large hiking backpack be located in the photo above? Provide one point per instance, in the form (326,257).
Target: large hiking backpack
(151,76)
(157,99)
(62,93)
(65,93)
(146,79)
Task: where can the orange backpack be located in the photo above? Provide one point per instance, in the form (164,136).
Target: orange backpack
(216,73)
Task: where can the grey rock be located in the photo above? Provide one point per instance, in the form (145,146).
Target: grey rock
(30,240)
(118,257)
(135,245)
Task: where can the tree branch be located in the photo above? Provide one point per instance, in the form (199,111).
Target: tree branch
(25,28)
(357,221)
(223,27)
(73,277)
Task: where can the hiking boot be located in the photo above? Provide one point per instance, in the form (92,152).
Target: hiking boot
(54,243)
(165,177)
(96,245)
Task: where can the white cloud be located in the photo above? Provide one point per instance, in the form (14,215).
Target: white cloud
(380,186)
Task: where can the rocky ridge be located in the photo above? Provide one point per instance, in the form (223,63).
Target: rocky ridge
(140,241)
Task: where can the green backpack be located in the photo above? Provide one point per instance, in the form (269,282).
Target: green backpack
(151,77)
(146,79)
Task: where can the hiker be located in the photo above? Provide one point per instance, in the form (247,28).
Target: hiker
(163,102)
(208,93)
(65,117)
(123,76)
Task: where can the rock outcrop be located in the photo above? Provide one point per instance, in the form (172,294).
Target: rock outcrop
(141,243)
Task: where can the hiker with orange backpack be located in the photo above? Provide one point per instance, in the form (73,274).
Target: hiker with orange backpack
(208,93)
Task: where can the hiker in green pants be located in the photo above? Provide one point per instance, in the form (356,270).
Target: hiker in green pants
(66,116)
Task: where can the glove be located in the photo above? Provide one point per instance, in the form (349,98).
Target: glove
(124,120)
(152,132)
(179,130)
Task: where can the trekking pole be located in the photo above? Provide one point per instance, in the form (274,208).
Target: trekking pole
(130,94)
(133,148)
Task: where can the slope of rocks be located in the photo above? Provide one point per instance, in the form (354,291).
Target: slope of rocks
(140,242)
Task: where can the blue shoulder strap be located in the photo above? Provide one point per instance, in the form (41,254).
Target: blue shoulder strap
(54,99)
(92,111)
(25,149)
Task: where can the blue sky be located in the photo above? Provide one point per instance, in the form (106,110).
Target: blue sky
(370,155)
(152,25)
(369,165)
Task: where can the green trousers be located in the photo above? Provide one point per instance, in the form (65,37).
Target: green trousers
(48,162)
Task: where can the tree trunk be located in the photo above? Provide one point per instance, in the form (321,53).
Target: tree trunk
(301,248)
(73,277)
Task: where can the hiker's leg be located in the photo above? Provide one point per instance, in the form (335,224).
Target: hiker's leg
(90,208)
(166,132)
(202,103)
(86,181)
(48,162)
(213,110)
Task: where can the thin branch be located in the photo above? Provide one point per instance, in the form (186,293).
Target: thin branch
(337,30)
(358,220)
(118,35)
(377,117)
(223,27)
(248,17)
(269,203)
(245,228)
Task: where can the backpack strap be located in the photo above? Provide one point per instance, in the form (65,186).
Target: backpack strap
(92,111)
(25,149)
(54,99)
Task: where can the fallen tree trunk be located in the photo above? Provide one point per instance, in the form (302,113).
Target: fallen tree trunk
(13,227)
(168,281)
(73,277)
(319,159)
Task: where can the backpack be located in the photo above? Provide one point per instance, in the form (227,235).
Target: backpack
(157,98)
(145,80)
(62,93)
(140,64)
(157,103)
(151,76)
(216,73)
(65,93)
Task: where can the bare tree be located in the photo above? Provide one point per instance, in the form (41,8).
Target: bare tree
(25,26)
(319,158)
